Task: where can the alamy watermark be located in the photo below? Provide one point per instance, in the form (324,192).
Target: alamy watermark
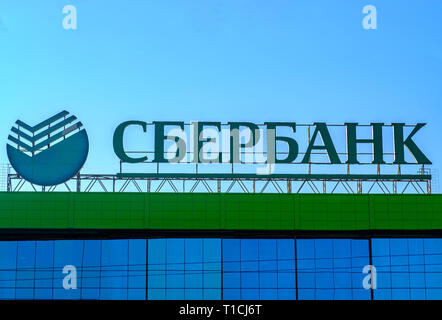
(70,18)
(370,281)
(224,145)
(370,20)
(70,280)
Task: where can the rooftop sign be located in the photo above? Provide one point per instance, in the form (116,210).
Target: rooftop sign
(54,150)
(50,152)
(214,142)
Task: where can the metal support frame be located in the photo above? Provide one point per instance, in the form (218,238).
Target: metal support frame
(238,184)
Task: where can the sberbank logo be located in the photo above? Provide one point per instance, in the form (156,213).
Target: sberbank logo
(50,152)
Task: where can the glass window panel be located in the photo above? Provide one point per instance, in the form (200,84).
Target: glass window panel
(137,269)
(8,264)
(25,270)
(433,268)
(156,269)
(68,253)
(212,269)
(114,269)
(184,269)
(258,269)
(44,263)
(231,257)
(175,269)
(194,267)
(408,268)
(91,270)
(286,283)
(331,269)
(191,269)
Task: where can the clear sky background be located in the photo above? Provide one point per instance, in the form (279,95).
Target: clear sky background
(221,60)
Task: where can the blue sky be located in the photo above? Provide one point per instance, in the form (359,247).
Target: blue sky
(220,60)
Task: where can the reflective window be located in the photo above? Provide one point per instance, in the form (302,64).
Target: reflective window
(258,269)
(408,268)
(91,272)
(184,269)
(67,253)
(24,285)
(332,269)
(220,269)
(107,269)
(8,269)
(123,269)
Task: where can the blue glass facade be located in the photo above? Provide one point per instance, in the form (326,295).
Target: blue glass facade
(184,269)
(330,269)
(105,269)
(258,269)
(408,268)
(216,269)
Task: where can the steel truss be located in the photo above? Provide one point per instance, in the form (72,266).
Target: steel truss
(383,184)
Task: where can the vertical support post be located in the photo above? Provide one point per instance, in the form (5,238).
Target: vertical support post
(309,162)
(9,181)
(254,185)
(359,186)
(148,184)
(324,186)
(113,184)
(78,182)
(289,186)
(218,185)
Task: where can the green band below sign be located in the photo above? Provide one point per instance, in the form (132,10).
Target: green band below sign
(219,211)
